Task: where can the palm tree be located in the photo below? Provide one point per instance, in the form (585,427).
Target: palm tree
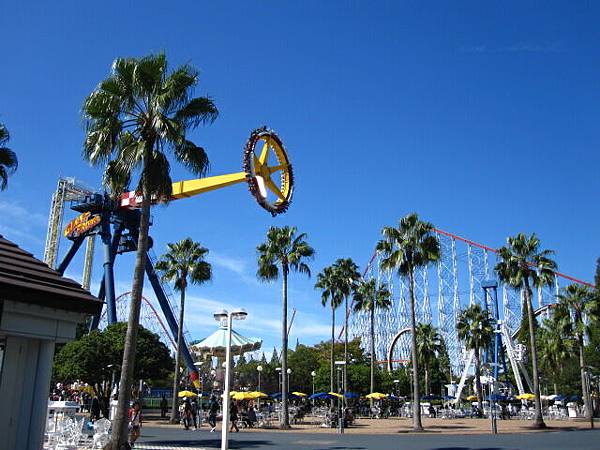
(286,250)
(429,346)
(410,246)
(133,117)
(580,301)
(475,327)
(555,346)
(8,158)
(522,266)
(328,281)
(369,297)
(348,277)
(183,261)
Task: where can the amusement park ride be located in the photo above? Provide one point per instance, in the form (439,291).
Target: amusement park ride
(462,276)
(117,221)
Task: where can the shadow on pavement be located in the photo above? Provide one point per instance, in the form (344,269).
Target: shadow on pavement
(470,448)
(210,443)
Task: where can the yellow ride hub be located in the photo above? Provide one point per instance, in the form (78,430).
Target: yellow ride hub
(272,192)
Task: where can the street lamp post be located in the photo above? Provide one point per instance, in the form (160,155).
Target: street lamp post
(289,371)
(259,369)
(313,374)
(220,316)
(278,370)
(341,387)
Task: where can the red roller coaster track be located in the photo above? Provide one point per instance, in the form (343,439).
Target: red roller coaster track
(154,312)
(475,244)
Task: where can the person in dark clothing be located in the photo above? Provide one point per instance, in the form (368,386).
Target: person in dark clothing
(233,417)
(195,413)
(251,417)
(187,414)
(95,409)
(163,407)
(213,409)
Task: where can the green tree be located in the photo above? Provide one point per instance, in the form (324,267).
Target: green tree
(475,327)
(410,246)
(184,262)
(555,347)
(303,360)
(348,278)
(284,250)
(578,301)
(133,117)
(8,158)
(328,281)
(429,346)
(369,297)
(90,358)
(522,266)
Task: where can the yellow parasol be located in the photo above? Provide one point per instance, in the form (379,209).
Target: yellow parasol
(472,398)
(376,395)
(186,394)
(257,394)
(526,396)
(300,394)
(242,396)
(335,394)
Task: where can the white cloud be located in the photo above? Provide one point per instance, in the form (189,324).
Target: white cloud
(236,265)
(520,47)
(17,221)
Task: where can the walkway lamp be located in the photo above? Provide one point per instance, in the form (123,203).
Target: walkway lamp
(341,366)
(259,369)
(224,316)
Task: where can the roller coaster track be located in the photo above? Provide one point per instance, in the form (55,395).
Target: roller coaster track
(458,277)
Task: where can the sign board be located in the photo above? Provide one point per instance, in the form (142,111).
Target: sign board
(82,224)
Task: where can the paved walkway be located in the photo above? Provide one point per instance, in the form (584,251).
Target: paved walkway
(168,438)
(397,425)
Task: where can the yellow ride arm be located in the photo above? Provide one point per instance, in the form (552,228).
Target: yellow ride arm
(189,188)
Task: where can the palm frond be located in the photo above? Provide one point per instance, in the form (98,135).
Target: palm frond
(198,110)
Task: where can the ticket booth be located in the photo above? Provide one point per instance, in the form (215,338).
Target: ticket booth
(38,309)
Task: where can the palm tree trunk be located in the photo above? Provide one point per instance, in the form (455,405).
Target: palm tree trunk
(285,423)
(372,350)
(417,426)
(426,380)
(539,419)
(555,388)
(174,408)
(478,382)
(584,386)
(120,421)
(332,355)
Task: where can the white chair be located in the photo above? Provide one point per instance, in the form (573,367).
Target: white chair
(101,433)
(70,434)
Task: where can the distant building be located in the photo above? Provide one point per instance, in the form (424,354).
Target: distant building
(38,309)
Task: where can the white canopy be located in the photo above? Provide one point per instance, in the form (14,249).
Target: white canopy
(215,344)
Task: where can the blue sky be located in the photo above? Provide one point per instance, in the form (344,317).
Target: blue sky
(483,118)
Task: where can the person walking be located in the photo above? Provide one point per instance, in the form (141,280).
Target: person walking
(163,407)
(213,409)
(135,423)
(187,414)
(233,417)
(195,414)
(95,409)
